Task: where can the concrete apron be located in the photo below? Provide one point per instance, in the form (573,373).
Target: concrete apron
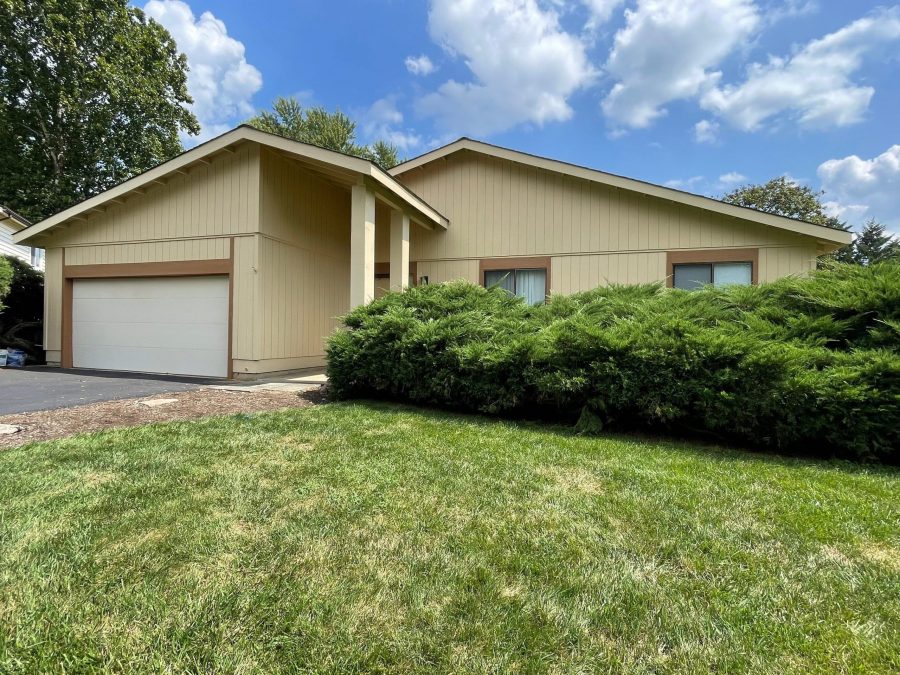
(290,383)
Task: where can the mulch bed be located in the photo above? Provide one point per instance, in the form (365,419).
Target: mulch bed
(44,425)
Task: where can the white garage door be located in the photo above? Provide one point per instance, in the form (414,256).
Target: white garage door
(176,325)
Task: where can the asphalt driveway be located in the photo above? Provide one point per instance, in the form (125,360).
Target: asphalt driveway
(45,388)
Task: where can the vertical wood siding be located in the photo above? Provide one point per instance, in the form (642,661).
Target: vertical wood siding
(154,251)
(189,218)
(596,234)
(304,263)
(53,288)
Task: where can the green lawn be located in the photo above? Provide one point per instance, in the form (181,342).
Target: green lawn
(351,537)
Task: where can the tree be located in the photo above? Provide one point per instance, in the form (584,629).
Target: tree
(872,245)
(92,92)
(317,126)
(20,319)
(785,197)
(6,277)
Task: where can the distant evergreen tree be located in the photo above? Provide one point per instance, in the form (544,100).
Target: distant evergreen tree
(874,245)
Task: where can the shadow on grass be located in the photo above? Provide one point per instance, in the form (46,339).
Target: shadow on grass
(696,446)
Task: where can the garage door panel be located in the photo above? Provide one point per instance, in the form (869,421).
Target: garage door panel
(194,287)
(201,363)
(175,336)
(173,325)
(149,310)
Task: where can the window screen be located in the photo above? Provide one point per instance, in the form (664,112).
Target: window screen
(530,284)
(692,276)
(726,274)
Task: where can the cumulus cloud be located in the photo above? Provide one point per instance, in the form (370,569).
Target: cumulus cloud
(731,179)
(706,131)
(600,11)
(524,66)
(812,87)
(383,121)
(666,52)
(420,65)
(220,80)
(860,188)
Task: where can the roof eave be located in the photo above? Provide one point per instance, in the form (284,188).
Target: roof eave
(421,211)
(819,232)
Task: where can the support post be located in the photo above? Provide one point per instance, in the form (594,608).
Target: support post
(362,245)
(399,250)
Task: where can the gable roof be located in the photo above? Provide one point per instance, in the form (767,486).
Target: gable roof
(821,233)
(385,185)
(13,219)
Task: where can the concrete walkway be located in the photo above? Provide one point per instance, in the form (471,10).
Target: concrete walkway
(289,383)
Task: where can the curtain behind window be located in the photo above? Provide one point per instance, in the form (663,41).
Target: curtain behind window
(531,285)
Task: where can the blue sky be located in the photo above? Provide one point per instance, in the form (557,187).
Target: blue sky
(702,95)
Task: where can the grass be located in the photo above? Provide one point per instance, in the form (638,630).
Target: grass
(360,537)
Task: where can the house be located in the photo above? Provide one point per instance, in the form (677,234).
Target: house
(237,257)
(10,223)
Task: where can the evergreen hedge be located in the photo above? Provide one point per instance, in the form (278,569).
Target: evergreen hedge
(806,365)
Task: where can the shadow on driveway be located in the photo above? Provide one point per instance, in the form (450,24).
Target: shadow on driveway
(46,388)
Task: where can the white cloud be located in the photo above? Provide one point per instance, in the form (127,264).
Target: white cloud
(382,121)
(706,131)
(600,11)
(220,80)
(868,188)
(665,52)
(420,65)
(731,179)
(690,184)
(524,66)
(812,87)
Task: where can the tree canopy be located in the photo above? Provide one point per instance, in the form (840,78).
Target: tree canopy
(785,197)
(91,93)
(318,126)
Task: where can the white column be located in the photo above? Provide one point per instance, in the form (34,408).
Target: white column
(399,250)
(362,246)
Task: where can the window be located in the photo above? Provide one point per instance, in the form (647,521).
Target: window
(691,276)
(530,284)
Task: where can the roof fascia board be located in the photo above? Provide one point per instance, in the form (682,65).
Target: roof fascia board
(819,232)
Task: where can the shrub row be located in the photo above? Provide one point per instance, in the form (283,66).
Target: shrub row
(805,365)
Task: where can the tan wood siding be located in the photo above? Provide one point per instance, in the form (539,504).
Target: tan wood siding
(212,200)
(53,296)
(190,217)
(595,233)
(245,297)
(154,251)
(303,268)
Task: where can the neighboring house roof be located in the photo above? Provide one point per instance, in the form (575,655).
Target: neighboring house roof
(13,219)
(820,232)
(390,189)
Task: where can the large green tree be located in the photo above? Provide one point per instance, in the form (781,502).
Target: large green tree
(785,197)
(317,126)
(91,93)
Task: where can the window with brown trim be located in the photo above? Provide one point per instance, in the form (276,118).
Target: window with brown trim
(690,270)
(528,278)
